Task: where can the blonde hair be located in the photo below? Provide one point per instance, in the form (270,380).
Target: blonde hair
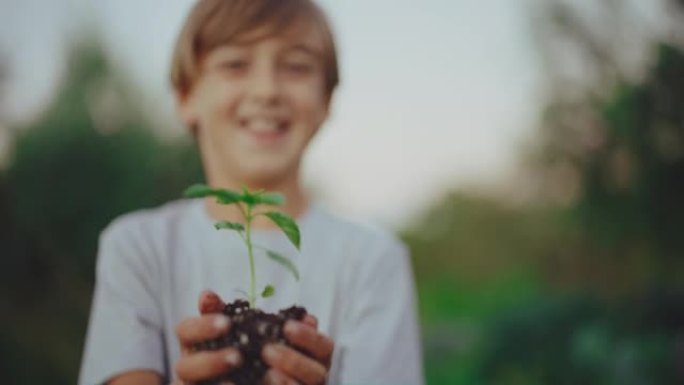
(212,23)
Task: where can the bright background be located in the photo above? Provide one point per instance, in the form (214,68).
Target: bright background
(530,153)
(425,100)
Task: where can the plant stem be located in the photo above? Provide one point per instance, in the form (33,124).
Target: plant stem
(250,253)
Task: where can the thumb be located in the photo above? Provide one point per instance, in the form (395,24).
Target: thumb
(209,302)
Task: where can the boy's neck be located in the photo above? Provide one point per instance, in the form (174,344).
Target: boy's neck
(295,205)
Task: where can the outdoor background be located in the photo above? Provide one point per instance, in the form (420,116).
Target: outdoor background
(530,153)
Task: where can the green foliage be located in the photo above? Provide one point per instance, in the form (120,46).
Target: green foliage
(286,224)
(579,340)
(268,291)
(273,199)
(635,179)
(248,200)
(227,196)
(616,148)
(584,285)
(497,305)
(284,261)
(631,180)
(229,225)
(223,196)
(253,198)
(68,177)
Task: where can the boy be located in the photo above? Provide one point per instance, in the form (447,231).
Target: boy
(253,81)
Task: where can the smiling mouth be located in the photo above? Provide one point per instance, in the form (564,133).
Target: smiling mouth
(264,129)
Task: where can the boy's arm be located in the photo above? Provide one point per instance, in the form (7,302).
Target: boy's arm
(137,377)
(125,332)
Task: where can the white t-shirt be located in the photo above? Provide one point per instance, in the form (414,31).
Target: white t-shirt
(153,264)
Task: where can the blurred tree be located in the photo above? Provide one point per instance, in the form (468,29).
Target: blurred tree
(580,340)
(88,158)
(612,154)
(472,257)
(583,286)
(613,149)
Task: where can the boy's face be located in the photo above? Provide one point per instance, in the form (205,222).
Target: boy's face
(257,105)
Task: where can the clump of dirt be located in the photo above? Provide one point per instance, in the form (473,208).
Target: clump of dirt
(250,331)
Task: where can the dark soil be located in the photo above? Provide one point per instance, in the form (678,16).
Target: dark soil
(250,330)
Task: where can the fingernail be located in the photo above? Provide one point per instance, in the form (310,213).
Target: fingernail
(221,322)
(291,327)
(271,378)
(233,358)
(270,352)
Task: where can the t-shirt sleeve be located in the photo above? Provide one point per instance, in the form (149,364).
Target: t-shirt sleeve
(380,344)
(124,331)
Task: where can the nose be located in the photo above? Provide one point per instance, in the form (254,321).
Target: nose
(264,87)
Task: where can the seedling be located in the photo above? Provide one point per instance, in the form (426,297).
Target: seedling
(252,328)
(249,203)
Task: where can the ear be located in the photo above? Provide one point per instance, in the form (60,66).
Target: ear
(185,108)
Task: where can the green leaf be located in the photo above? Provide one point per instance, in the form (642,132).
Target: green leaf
(198,191)
(253,198)
(247,196)
(223,196)
(288,264)
(268,291)
(227,197)
(274,199)
(287,224)
(229,225)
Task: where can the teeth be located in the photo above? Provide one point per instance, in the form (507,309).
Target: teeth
(262,125)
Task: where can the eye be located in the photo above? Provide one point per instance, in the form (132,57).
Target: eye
(298,67)
(233,65)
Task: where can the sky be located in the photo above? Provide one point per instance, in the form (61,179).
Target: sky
(436,95)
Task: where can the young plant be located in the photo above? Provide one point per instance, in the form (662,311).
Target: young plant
(248,201)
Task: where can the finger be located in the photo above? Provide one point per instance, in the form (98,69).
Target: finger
(194,330)
(311,321)
(210,302)
(294,364)
(276,377)
(307,338)
(179,382)
(206,364)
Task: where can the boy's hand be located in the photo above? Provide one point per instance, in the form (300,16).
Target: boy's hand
(204,365)
(288,366)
